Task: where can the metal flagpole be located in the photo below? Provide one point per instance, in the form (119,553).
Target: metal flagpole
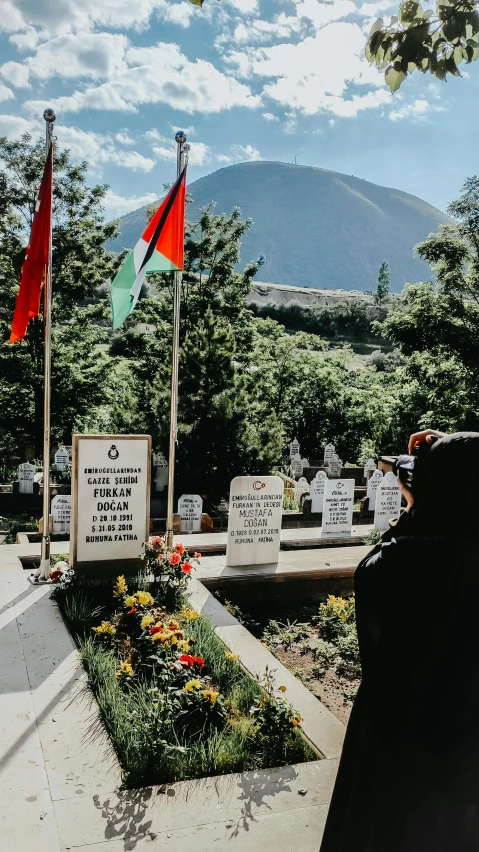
(44,571)
(181,159)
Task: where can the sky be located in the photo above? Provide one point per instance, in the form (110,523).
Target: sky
(245,79)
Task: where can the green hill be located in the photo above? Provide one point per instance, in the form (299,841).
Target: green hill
(317,228)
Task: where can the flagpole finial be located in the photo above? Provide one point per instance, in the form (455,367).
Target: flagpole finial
(180,137)
(49,115)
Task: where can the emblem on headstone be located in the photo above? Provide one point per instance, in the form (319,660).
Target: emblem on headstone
(113,452)
(258,485)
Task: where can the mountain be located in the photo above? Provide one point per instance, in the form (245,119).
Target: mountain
(317,228)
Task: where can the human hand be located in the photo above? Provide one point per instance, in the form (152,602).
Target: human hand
(419,437)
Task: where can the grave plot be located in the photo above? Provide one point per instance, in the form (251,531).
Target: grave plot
(175,701)
(317,643)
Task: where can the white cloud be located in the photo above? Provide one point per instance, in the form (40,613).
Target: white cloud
(331,122)
(163,153)
(162,74)
(419,110)
(12,126)
(246,7)
(124,139)
(154,135)
(5,93)
(270,117)
(313,76)
(97,55)
(242,153)
(224,158)
(117,205)
(198,154)
(16,73)
(97,149)
(27,40)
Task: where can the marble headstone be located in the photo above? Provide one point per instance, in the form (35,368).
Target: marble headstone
(388,501)
(317,491)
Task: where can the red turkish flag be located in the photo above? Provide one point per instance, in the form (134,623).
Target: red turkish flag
(35,265)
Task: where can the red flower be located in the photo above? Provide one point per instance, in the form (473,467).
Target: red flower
(155,629)
(132,610)
(55,575)
(197,555)
(175,558)
(186,567)
(191,661)
(179,548)
(157,540)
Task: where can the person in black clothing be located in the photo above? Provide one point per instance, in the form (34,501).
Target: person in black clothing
(408,779)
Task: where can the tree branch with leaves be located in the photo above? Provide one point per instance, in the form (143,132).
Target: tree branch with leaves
(422,40)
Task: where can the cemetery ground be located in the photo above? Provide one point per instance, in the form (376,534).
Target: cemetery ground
(65,779)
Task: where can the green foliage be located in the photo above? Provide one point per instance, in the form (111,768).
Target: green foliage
(80,310)
(425,40)
(437,328)
(382,288)
(338,321)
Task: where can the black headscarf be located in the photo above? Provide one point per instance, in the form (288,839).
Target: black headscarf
(446,488)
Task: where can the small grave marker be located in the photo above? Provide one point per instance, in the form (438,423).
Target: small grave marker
(254,522)
(369,468)
(297,465)
(329,453)
(335,466)
(338,508)
(317,491)
(190,508)
(26,472)
(373,484)
(301,488)
(160,466)
(61,508)
(62,458)
(388,501)
(293,448)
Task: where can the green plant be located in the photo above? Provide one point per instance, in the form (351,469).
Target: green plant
(276,722)
(373,537)
(171,568)
(286,634)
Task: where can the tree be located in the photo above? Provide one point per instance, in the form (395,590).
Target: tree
(423,40)
(80,309)
(382,288)
(438,325)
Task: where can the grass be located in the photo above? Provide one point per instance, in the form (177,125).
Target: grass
(155,745)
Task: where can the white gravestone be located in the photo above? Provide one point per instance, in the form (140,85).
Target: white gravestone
(61,512)
(69,450)
(110,501)
(329,453)
(293,448)
(373,484)
(26,472)
(145,328)
(160,465)
(62,458)
(305,462)
(254,522)
(369,468)
(190,508)
(338,508)
(301,488)
(317,491)
(335,466)
(388,502)
(297,465)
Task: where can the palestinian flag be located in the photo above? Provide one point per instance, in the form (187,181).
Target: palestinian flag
(159,249)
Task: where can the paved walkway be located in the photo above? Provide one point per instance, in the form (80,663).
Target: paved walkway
(60,782)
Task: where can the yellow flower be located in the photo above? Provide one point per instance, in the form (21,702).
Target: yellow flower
(189,614)
(192,684)
(146,621)
(130,601)
(124,669)
(296,721)
(230,656)
(105,628)
(173,624)
(164,637)
(210,695)
(144,598)
(121,588)
(184,645)
(282,688)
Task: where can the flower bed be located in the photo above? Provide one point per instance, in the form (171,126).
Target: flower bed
(317,643)
(176,703)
